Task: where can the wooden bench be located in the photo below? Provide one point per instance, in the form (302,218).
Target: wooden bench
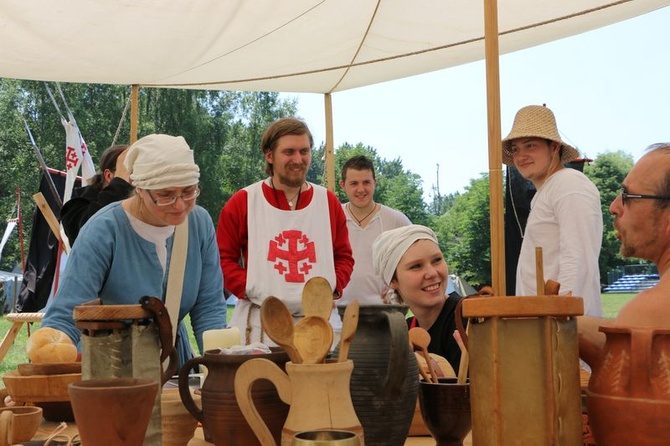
(18,320)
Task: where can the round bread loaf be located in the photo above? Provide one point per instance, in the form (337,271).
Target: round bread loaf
(48,345)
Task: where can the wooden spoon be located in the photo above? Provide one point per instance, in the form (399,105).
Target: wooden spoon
(277,322)
(422,370)
(317,298)
(349,325)
(313,338)
(420,339)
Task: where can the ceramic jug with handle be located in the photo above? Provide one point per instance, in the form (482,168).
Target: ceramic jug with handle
(384,383)
(628,397)
(318,394)
(222,421)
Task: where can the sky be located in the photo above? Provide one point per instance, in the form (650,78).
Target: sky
(609,90)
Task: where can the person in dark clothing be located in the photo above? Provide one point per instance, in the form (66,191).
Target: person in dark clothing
(411,263)
(109,185)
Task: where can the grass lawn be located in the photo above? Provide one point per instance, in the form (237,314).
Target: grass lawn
(17,354)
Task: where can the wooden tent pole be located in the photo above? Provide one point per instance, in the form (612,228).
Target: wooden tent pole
(134,104)
(330,157)
(492,54)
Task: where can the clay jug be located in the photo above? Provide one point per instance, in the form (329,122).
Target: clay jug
(220,415)
(628,397)
(113,411)
(384,384)
(318,394)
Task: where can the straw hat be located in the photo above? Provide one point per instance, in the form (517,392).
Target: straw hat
(535,121)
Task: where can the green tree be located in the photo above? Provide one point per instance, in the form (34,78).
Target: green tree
(464,233)
(607,173)
(396,187)
(223,128)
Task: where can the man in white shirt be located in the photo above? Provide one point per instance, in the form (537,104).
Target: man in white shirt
(565,219)
(366,219)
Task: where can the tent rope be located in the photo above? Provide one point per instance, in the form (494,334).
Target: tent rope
(123,118)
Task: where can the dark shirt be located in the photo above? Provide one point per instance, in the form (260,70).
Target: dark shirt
(442,340)
(90,200)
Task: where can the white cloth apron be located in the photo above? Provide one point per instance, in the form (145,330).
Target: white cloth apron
(285,249)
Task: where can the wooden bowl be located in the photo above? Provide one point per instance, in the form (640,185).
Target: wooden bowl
(46,391)
(27,420)
(55,368)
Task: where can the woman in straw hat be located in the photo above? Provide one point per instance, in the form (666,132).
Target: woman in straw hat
(124,251)
(565,217)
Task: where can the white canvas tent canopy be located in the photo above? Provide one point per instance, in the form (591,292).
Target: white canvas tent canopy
(319,46)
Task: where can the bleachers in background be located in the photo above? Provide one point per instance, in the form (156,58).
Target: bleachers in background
(632,283)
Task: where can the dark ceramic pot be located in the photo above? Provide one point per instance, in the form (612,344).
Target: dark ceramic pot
(384,382)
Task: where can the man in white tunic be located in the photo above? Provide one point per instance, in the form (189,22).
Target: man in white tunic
(366,219)
(565,217)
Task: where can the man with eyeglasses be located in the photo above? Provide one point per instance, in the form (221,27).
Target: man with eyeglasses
(642,223)
(565,219)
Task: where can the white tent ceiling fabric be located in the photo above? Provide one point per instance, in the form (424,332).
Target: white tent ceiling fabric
(318,46)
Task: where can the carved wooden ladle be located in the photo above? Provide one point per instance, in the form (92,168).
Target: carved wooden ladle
(277,322)
(317,298)
(349,325)
(420,340)
(313,338)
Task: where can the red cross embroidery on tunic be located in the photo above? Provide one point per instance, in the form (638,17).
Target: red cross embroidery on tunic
(294,255)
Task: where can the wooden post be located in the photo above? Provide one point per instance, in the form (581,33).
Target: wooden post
(495,147)
(134,113)
(539,271)
(330,157)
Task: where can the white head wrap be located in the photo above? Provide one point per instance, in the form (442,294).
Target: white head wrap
(390,246)
(161,161)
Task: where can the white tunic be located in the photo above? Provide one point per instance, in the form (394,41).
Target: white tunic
(364,284)
(286,248)
(566,221)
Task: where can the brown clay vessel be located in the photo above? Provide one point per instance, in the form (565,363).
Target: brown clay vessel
(113,411)
(628,397)
(222,420)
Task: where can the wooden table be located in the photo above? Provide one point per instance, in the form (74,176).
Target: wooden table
(411,441)
(48,427)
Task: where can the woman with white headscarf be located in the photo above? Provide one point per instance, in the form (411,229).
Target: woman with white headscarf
(123,252)
(411,263)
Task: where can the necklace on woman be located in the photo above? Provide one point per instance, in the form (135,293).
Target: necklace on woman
(360,221)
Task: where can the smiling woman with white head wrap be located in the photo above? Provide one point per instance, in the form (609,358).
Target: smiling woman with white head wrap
(411,263)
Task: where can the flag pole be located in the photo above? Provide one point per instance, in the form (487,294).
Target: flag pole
(20,218)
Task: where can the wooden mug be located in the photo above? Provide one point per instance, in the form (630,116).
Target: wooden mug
(6,422)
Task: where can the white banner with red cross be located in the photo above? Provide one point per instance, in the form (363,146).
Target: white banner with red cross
(76,156)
